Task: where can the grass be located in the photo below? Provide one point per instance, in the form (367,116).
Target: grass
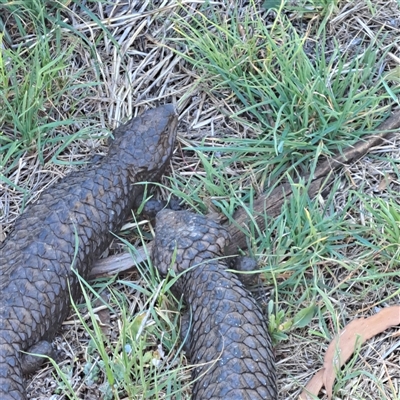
(292,102)
(35,80)
(137,362)
(263,95)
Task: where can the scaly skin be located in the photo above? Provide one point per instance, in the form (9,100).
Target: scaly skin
(65,231)
(228,337)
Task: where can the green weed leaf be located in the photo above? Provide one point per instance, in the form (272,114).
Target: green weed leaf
(304,316)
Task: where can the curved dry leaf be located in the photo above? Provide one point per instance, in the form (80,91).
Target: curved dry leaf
(314,386)
(342,347)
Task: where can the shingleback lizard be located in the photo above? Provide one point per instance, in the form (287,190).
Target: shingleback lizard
(65,231)
(228,338)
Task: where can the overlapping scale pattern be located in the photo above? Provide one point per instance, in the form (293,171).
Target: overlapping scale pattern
(228,338)
(65,231)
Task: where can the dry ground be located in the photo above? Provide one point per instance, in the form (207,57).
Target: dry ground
(147,72)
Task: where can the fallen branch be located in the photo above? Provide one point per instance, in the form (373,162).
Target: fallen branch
(270,205)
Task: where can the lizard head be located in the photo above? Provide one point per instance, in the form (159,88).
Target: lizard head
(146,143)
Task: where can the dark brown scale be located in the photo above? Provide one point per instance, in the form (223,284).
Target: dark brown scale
(65,231)
(228,337)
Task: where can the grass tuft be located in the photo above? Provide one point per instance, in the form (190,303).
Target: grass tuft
(265,89)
